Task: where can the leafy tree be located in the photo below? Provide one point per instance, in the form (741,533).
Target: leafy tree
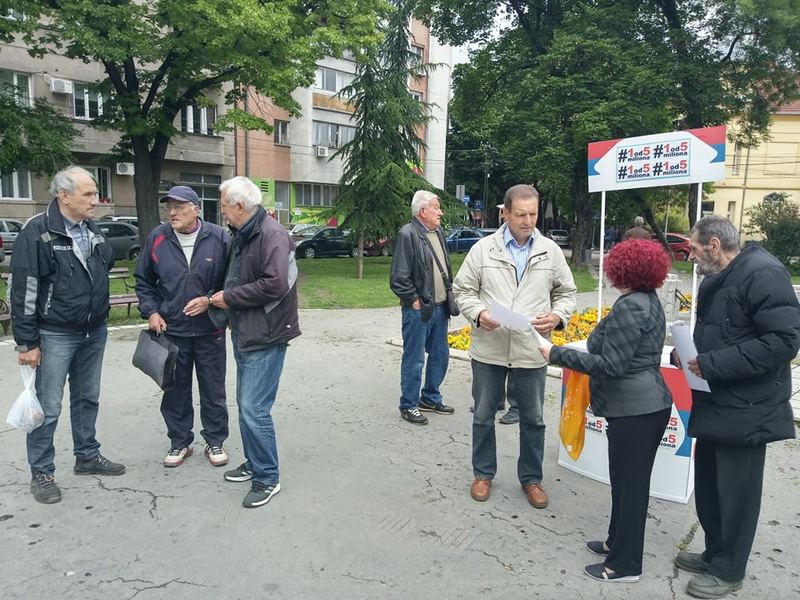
(161,56)
(377,181)
(35,137)
(777,219)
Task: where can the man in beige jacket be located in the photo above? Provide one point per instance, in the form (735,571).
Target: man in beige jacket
(522,270)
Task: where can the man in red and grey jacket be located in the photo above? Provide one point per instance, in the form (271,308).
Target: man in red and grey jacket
(182,265)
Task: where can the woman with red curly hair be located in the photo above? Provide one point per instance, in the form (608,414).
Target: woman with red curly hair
(623,361)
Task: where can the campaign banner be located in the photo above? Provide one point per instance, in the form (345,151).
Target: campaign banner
(674,158)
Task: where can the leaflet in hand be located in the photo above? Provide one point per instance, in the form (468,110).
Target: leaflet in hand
(684,345)
(509,318)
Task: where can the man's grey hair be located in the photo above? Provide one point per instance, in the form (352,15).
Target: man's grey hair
(638,222)
(714,226)
(241,189)
(422,198)
(64,180)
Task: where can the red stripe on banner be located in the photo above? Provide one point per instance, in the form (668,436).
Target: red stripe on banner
(676,382)
(598,150)
(709,135)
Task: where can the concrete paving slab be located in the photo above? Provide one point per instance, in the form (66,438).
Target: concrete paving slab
(370,507)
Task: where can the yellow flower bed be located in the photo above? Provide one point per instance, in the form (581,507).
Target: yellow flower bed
(579,327)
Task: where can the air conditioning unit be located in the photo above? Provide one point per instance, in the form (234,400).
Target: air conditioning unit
(60,86)
(125,169)
(322,151)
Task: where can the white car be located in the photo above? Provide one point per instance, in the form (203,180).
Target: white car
(9,229)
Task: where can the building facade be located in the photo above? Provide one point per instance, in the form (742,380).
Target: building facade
(292,166)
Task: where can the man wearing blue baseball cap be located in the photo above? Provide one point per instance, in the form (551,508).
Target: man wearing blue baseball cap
(182,265)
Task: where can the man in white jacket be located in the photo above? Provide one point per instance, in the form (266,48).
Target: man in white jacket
(522,270)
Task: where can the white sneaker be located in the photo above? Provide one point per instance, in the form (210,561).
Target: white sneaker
(216,455)
(176,456)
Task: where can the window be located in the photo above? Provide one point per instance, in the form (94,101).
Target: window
(331,80)
(416,96)
(281,194)
(418,60)
(18,85)
(16,185)
(207,189)
(731,211)
(332,135)
(102,176)
(198,120)
(281,132)
(13,15)
(88,103)
(737,159)
(315,194)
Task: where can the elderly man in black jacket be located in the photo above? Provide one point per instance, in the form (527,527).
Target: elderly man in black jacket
(260,300)
(59,305)
(747,332)
(420,277)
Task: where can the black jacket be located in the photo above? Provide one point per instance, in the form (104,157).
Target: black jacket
(51,287)
(413,267)
(261,284)
(624,358)
(747,332)
(165,282)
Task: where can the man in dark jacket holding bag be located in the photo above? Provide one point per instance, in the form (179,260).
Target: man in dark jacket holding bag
(260,302)
(421,277)
(747,332)
(182,265)
(59,305)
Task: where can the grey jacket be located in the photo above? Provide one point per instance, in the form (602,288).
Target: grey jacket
(624,358)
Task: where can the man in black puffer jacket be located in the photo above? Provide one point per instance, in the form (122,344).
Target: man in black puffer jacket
(747,332)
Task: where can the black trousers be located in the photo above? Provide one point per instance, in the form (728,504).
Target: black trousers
(727,494)
(206,354)
(632,445)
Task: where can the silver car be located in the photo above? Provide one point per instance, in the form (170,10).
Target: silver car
(9,229)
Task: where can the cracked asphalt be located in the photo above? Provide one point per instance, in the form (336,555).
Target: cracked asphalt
(370,506)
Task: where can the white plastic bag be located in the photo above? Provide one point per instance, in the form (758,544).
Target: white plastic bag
(26,412)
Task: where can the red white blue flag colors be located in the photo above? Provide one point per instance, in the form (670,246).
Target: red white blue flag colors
(674,158)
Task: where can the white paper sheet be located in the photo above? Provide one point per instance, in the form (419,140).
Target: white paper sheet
(505,316)
(684,344)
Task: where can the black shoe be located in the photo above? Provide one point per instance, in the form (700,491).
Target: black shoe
(442,408)
(597,548)
(600,573)
(511,417)
(98,465)
(44,488)
(412,415)
(260,494)
(691,561)
(240,473)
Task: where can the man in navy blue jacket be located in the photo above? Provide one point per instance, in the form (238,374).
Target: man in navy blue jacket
(182,265)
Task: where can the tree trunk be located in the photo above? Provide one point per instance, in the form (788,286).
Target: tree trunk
(693,216)
(583,216)
(148,163)
(360,258)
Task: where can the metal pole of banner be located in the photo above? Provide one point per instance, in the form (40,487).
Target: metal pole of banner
(602,250)
(694,265)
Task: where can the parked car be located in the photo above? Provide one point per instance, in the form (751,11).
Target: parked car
(2,252)
(9,229)
(487,230)
(462,239)
(381,247)
(559,236)
(130,220)
(123,237)
(328,241)
(678,243)
(296,229)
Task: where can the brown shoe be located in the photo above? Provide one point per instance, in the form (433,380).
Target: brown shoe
(480,489)
(536,494)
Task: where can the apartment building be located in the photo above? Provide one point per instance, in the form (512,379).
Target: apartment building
(751,174)
(292,166)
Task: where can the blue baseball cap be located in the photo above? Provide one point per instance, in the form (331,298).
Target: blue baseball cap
(181,193)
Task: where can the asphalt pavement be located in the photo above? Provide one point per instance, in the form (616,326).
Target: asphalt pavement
(370,506)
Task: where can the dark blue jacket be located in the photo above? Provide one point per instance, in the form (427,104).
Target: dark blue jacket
(52,288)
(165,283)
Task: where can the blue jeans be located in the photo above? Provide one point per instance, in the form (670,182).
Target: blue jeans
(79,355)
(258,373)
(419,338)
(526,388)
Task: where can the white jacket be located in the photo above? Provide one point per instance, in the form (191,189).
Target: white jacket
(489,273)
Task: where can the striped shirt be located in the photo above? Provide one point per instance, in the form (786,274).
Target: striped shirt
(519,254)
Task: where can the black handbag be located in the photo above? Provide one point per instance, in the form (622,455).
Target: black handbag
(157,358)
